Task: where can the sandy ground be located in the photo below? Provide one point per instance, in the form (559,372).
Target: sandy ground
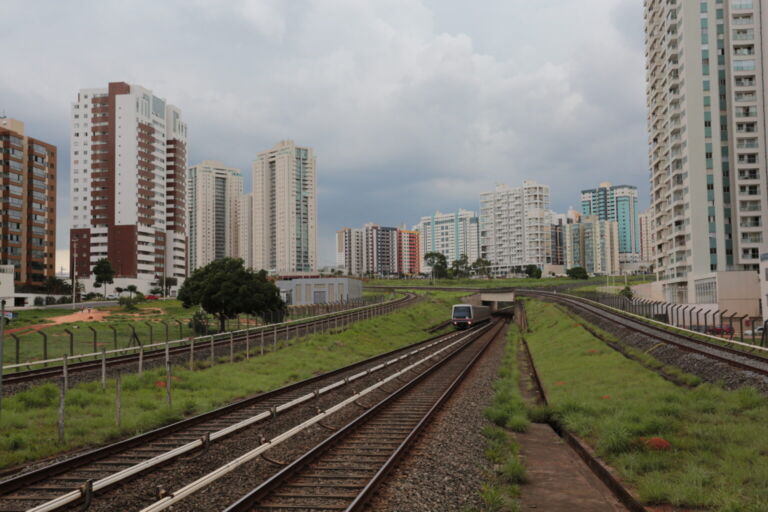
(78,316)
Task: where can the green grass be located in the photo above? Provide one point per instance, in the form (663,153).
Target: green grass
(28,423)
(37,316)
(506,413)
(591,283)
(719,451)
(154,312)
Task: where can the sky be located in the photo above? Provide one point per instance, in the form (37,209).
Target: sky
(412,106)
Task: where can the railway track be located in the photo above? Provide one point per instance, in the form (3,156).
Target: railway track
(87,477)
(342,472)
(731,356)
(206,346)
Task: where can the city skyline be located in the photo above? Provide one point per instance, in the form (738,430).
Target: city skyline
(422,131)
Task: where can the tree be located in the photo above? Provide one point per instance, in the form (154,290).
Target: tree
(131,289)
(533,271)
(627,292)
(482,267)
(438,263)
(104,273)
(577,273)
(55,286)
(225,288)
(460,267)
(170,282)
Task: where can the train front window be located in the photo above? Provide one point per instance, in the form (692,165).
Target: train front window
(462,312)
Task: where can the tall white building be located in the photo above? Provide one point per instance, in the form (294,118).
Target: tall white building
(245,230)
(450,234)
(285,209)
(127,185)
(349,250)
(647,244)
(593,243)
(213,202)
(707,139)
(515,225)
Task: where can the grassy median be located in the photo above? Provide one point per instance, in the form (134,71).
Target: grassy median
(701,448)
(29,419)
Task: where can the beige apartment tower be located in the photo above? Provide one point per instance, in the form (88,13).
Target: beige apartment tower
(707,139)
(285,209)
(213,199)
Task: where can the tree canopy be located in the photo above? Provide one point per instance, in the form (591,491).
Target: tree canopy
(438,263)
(460,267)
(577,273)
(533,271)
(482,267)
(225,288)
(103,273)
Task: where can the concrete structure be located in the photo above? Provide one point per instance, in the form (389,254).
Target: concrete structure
(763,276)
(213,209)
(706,117)
(7,273)
(735,292)
(515,225)
(408,252)
(285,209)
(450,234)
(127,186)
(647,243)
(594,245)
(617,203)
(304,291)
(28,205)
(349,251)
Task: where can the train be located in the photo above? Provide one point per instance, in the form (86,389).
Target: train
(464,316)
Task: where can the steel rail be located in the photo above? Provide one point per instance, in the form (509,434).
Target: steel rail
(247,502)
(181,346)
(645,327)
(25,479)
(213,476)
(163,458)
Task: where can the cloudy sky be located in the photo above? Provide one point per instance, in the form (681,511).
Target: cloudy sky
(412,106)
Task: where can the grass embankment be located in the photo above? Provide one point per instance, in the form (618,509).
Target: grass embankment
(154,312)
(593,283)
(702,448)
(507,413)
(28,422)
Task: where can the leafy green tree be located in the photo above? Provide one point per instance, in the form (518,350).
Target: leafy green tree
(225,288)
(482,267)
(627,292)
(460,267)
(104,273)
(533,271)
(131,289)
(577,273)
(55,286)
(170,282)
(438,263)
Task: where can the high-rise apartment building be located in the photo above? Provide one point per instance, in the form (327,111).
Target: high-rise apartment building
(559,221)
(617,203)
(408,253)
(285,209)
(450,234)
(593,244)
(646,236)
(213,210)
(349,251)
(515,225)
(380,250)
(245,230)
(28,209)
(706,119)
(127,185)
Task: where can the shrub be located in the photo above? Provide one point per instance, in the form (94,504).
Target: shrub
(64,300)
(50,300)
(39,301)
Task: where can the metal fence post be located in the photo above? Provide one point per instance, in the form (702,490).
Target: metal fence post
(151,333)
(95,339)
(65,370)
(180,327)
(114,336)
(167,337)
(71,341)
(17,342)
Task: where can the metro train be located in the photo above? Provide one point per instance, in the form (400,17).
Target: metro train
(464,316)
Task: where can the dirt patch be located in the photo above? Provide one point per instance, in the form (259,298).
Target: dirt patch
(79,316)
